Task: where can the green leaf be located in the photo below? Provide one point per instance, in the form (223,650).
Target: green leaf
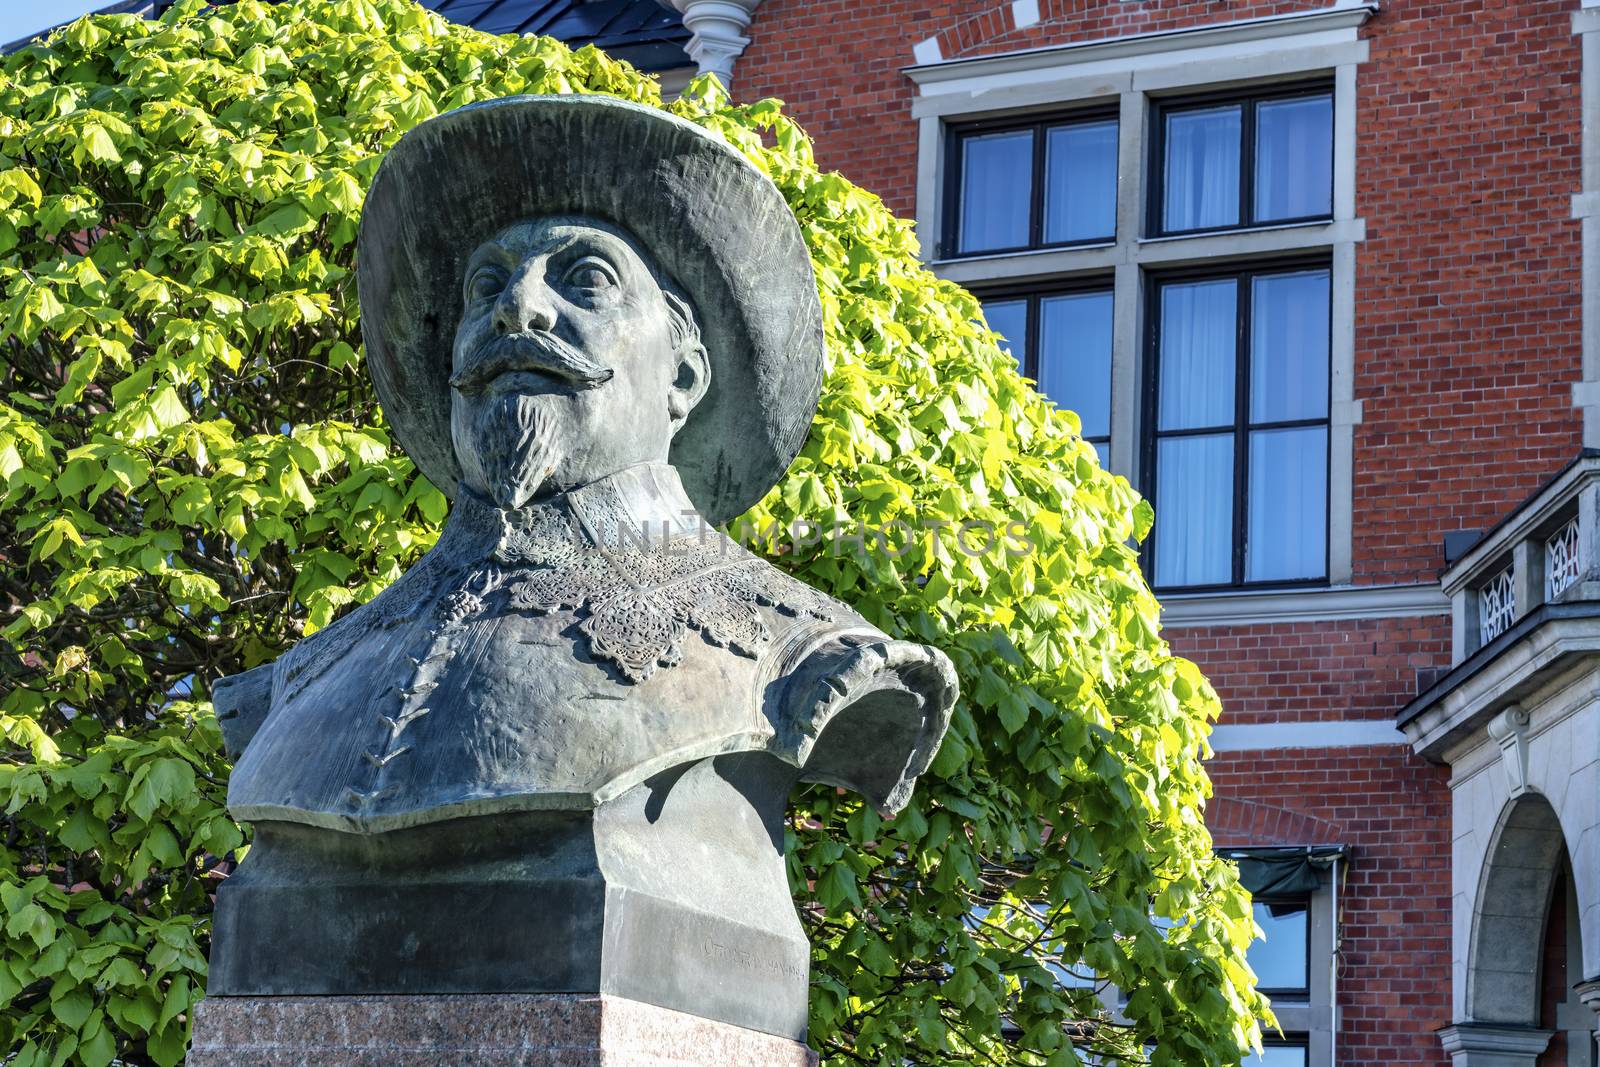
(289,219)
(72,1008)
(247,154)
(166,410)
(82,832)
(33,922)
(98,143)
(96,1046)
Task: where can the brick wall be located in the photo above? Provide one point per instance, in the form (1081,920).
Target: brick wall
(1393,810)
(1468,286)
(1316,671)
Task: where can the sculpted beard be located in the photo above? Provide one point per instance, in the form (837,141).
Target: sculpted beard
(514,445)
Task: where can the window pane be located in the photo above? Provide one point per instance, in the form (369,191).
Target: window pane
(996,184)
(1075,356)
(1289,347)
(1194,510)
(1198,332)
(1288,505)
(1080,198)
(1294,158)
(1279,1056)
(1279,958)
(1202,171)
(1009,319)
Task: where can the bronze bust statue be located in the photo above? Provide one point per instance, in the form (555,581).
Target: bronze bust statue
(554,755)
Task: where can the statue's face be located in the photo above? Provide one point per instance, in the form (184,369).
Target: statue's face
(570,362)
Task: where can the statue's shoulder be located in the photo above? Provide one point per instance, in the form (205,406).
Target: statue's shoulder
(737,574)
(244,701)
(639,606)
(853,707)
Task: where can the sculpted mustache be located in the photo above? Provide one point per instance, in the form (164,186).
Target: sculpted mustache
(539,352)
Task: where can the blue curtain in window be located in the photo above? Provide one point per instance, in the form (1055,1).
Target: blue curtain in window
(1289,346)
(996,182)
(1294,159)
(1198,337)
(1288,490)
(1009,319)
(1081,184)
(1194,510)
(1202,175)
(1194,474)
(1075,356)
(1288,505)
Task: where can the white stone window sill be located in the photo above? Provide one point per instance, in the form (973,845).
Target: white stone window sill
(1007,257)
(1200,235)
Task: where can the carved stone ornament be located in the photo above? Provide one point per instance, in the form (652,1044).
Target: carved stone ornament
(554,756)
(1509,730)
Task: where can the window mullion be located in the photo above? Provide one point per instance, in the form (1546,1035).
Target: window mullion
(1241,423)
(1030,354)
(1036,206)
(1247,163)
(950,208)
(1150,428)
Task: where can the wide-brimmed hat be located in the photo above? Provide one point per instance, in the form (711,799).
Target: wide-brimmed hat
(710,219)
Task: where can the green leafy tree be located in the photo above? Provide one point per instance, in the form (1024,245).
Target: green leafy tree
(194,474)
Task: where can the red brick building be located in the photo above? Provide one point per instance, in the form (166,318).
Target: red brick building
(1316,277)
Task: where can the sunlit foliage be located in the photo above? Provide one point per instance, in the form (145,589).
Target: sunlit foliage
(194,474)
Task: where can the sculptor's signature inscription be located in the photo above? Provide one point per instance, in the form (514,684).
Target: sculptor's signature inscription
(717,952)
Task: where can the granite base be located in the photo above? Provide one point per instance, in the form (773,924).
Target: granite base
(476,1030)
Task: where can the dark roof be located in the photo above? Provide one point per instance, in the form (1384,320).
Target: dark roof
(647,33)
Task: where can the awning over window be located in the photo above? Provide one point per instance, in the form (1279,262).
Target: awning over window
(1282,872)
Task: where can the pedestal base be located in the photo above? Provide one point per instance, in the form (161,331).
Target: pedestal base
(478,1030)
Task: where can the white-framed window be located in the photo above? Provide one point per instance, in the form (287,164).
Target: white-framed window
(1233,205)
(1018,185)
(1241,158)
(1236,426)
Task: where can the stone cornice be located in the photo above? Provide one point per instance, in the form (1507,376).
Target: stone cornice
(1303,605)
(1494,1038)
(1342,15)
(1537,649)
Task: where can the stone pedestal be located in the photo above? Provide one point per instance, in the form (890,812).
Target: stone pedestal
(487,1030)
